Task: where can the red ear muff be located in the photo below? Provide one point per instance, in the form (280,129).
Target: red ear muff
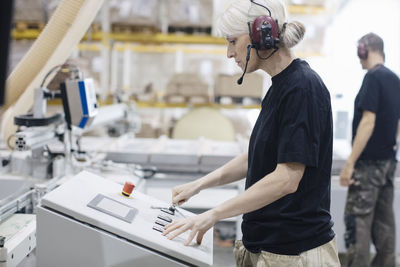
(265,33)
(362,51)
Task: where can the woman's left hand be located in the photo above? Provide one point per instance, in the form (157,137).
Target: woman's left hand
(199,225)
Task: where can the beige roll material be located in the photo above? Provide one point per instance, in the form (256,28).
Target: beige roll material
(64,31)
(204,122)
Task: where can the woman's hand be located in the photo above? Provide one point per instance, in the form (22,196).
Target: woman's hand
(182,193)
(199,225)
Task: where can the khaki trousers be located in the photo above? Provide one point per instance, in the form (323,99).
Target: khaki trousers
(322,256)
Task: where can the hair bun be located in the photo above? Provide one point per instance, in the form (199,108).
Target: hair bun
(292,33)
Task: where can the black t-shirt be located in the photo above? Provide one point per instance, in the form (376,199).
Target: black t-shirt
(294,125)
(380,94)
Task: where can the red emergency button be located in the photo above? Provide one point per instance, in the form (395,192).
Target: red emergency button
(128,188)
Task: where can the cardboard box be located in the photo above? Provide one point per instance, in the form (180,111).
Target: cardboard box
(187,84)
(226,85)
(185,13)
(29,11)
(134,12)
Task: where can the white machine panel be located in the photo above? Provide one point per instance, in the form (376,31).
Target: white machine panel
(218,153)
(135,150)
(65,242)
(93,200)
(173,155)
(178,151)
(215,154)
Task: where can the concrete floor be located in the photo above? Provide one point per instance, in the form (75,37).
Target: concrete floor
(223,256)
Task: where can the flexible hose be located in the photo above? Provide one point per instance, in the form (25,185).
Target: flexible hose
(63,32)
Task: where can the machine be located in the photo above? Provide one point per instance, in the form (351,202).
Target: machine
(18,238)
(17,231)
(31,162)
(33,168)
(88,222)
(36,130)
(79,102)
(173,155)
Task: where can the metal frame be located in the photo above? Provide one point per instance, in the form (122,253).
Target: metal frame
(17,204)
(19,246)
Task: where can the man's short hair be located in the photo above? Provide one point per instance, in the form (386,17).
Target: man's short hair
(373,42)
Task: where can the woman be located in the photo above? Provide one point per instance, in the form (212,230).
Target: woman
(285,207)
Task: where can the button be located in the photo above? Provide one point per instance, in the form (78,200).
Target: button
(157,228)
(164,218)
(162,223)
(128,188)
(168,211)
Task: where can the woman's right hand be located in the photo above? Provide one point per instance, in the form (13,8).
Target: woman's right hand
(182,193)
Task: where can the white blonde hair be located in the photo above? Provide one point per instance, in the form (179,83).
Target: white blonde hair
(233,21)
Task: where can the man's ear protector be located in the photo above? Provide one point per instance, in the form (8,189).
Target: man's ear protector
(362,51)
(264,32)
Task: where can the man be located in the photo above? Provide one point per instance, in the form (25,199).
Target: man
(369,171)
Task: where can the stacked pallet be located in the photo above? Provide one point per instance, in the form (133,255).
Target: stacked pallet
(187,88)
(190,16)
(30,14)
(226,86)
(134,16)
(127,16)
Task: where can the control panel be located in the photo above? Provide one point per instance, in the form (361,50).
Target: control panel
(129,214)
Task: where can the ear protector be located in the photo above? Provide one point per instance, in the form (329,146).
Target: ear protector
(264,32)
(264,35)
(362,51)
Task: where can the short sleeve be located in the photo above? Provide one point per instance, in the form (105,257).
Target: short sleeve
(369,99)
(299,128)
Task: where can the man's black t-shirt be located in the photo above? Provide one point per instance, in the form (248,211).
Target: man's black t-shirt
(294,125)
(380,94)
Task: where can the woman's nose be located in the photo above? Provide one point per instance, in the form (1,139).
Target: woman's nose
(230,53)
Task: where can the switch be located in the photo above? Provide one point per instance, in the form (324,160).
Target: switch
(169,211)
(164,218)
(128,188)
(162,223)
(157,228)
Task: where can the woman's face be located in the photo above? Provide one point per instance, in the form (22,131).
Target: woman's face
(237,49)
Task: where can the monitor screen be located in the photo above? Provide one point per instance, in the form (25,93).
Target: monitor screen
(6,14)
(113,207)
